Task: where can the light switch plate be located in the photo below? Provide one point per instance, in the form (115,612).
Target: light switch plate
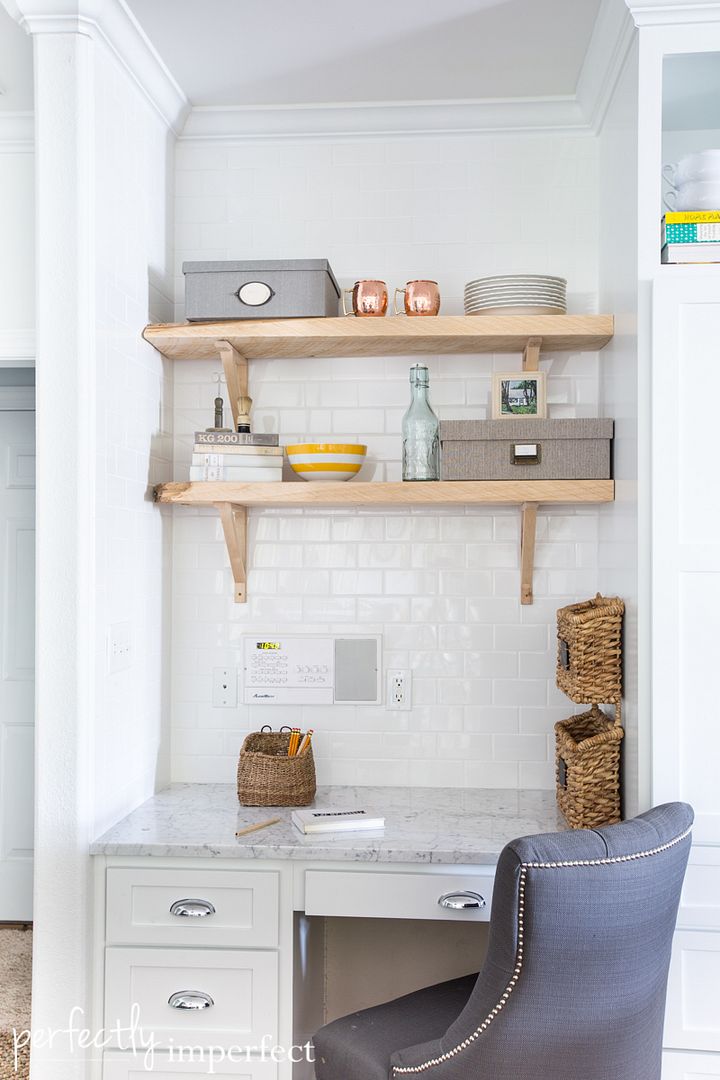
(119,647)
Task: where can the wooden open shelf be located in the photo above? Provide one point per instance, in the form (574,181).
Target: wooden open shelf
(232,502)
(238,341)
(391,336)
(369,493)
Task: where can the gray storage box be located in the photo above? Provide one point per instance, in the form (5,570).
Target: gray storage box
(533,449)
(260,289)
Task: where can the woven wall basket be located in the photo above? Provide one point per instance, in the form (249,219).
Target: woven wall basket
(268,777)
(587,760)
(589,661)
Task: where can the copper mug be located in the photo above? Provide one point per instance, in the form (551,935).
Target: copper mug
(369,299)
(421,298)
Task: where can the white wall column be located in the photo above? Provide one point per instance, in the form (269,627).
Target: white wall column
(65,550)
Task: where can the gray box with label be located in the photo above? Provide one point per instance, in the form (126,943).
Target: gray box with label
(260,289)
(527,449)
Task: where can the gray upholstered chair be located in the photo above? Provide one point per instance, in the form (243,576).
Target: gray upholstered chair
(574,983)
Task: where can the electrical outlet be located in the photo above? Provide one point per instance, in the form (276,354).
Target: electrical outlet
(119,647)
(399,690)
(224,684)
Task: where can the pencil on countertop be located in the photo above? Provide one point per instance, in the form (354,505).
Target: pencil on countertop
(260,825)
(305,744)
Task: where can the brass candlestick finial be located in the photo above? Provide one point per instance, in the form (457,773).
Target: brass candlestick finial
(219,407)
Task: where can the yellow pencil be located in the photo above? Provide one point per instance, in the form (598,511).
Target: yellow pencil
(260,825)
(294,738)
(305,744)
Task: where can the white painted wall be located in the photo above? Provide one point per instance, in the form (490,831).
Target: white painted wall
(442,587)
(17,229)
(621,381)
(133,285)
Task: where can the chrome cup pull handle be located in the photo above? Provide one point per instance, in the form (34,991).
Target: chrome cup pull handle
(190,999)
(462,901)
(192,909)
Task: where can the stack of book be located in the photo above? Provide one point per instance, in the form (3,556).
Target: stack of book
(230,455)
(691,236)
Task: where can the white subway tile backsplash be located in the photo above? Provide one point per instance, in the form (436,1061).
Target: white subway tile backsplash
(491,665)
(442,585)
(537,774)
(465,691)
(474,583)
(503,720)
(520,692)
(519,747)
(491,774)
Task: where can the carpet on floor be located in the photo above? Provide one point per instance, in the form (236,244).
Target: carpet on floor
(15,983)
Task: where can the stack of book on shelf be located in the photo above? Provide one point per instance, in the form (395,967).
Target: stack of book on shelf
(230,455)
(691,236)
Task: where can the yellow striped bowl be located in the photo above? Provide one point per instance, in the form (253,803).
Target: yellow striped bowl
(326,461)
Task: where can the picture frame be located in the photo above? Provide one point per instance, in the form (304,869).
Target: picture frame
(519,394)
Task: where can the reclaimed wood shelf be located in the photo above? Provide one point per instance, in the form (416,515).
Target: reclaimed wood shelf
(238,341)
(391,336)
(232,501)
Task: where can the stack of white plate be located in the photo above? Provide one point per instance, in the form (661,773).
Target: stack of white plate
(516,294)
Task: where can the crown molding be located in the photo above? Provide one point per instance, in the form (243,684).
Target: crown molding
(17,348)
(383,118)
(112,23)
(581,113)
(673,12)
(17,132)
(612,37)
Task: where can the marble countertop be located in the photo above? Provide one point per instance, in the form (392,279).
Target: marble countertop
(422,825)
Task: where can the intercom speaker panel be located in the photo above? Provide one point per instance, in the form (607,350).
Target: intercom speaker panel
(312,670)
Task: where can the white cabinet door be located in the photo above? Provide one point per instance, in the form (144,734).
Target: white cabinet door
(686,546)
(17,662)
(199,997)
(681,1066)
(686,631)
(692,1016)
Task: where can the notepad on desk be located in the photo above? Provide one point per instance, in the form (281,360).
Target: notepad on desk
(328,820)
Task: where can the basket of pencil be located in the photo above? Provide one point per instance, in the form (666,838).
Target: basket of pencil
(276,768)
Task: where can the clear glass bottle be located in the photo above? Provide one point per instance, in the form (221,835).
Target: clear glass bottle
(420,431)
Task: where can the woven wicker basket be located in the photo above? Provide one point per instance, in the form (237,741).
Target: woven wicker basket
(268,777)
(587,760)
(589,662)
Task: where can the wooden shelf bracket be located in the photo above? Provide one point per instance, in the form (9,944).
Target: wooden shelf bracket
(527,551)
(234,523)
(531,355)
(235,367)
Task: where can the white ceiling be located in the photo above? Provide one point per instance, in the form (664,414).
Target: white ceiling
(252,52)
(16,67)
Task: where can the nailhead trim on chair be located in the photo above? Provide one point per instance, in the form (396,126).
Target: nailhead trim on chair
(524,867)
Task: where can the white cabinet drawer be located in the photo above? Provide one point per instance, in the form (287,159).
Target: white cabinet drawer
(242,986)
(679,1066)
(692,1018)
(230,909)
(390,895)
(129,1067)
